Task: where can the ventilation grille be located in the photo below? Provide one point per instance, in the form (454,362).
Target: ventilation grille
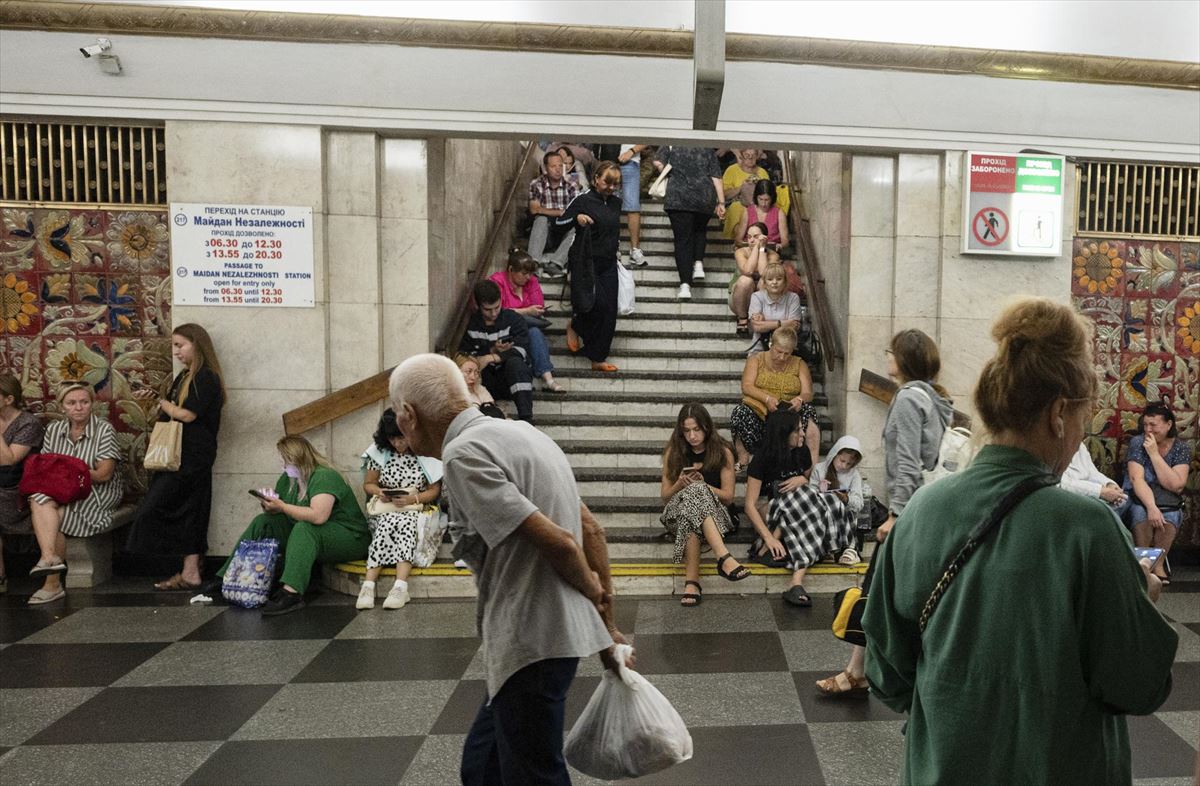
(1159,201)
(69,163)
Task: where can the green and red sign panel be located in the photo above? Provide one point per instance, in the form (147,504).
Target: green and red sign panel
(1013,204)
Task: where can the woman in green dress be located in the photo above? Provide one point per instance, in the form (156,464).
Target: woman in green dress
(1048,635)
(315,518)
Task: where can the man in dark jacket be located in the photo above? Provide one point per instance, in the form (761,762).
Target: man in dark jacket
(499,341)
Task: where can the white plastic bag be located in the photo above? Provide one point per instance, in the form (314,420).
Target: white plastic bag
(628,729)
(625,295)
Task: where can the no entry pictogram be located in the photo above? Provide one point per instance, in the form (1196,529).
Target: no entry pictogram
(990,226)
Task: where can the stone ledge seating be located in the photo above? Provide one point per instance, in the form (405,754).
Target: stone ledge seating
(90,559)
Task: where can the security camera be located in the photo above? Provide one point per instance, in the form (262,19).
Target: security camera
(101,45)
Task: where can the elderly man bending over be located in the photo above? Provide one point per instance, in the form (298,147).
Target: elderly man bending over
(540,563)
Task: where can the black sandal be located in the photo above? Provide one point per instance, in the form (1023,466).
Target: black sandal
(695,598)
(737,574)
(797,596)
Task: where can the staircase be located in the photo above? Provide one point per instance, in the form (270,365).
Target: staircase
(613,427)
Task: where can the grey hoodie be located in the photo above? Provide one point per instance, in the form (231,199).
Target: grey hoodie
(912,436)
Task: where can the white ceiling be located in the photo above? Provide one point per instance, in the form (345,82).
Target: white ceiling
(1150,29)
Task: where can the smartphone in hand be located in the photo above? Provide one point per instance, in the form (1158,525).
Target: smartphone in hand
(259,495)
(1152,554)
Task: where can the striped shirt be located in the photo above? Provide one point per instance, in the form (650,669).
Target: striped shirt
(92,514)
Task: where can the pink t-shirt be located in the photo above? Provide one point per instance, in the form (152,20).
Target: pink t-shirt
(531,293)
(770,218)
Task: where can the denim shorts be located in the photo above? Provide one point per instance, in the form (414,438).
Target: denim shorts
(631,187)
(1136,513)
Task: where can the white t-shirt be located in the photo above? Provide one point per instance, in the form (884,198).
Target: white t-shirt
(637,157)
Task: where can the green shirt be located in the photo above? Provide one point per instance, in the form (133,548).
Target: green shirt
(1040,646)
(324,480)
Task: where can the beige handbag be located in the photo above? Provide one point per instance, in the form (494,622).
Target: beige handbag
(658,189)
(165,448)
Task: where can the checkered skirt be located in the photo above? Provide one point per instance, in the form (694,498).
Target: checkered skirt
(810,524)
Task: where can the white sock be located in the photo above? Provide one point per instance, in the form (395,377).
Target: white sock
(368,585)
(400,585)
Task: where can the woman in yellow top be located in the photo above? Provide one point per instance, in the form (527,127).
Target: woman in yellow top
(770,379)
(747,170)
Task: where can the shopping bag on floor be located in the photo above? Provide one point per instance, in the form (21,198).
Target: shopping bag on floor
(625,291)
(628,729)
(248,578)
(431,528)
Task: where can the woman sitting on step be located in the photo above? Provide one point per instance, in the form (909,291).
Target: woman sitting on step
(315,518)
(804,523)
(770,379)
(697,487)
(752,260)
(477,394)
(521,292)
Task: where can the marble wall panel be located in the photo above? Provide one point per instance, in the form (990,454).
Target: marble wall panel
(405,332)
(404,179)
(871,279)
(869,337)
(251,423)
(354,342)
(353,252)
(233,508)
(975,287)
(917,272)
(952,193)
(404,258)
(873,197)
(918,195)
(350,173)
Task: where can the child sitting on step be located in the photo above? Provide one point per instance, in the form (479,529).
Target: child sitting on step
(838,476)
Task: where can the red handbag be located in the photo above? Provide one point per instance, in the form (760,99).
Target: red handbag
(64,479)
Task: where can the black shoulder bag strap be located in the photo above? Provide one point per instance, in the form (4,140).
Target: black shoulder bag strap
(977,536)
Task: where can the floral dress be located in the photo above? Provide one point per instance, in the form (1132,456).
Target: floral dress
(394,535)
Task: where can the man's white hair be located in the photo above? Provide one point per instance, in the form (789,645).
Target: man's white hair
(428,383)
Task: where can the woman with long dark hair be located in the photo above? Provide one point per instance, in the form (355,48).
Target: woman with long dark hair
(173,516)
(697,487)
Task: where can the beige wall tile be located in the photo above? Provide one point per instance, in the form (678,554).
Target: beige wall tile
(978,287)
(405,332)
(351,436)
(251,423)
(952,220)
(918,263)
(350,182)
(353,259)
(354,342)
(232,507)
(966,346)
(918,195)
(873,197)
(404,186)
(404,252)
(868,338)
(871,276)
(245,164)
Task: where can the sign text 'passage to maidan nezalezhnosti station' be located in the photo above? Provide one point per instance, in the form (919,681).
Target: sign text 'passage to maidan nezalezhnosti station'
(1013,204)
(241,255)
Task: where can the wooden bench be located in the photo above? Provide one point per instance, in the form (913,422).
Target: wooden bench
(90,559)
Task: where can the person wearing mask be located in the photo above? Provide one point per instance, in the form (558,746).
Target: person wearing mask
(549,195)
(1157,465)
(93,441)
(630,162)
(499,341)
(521,292)
(694,193)
(598,212)
(917,418)
(173,516)
(539,559)
(21,435)
(1018,666)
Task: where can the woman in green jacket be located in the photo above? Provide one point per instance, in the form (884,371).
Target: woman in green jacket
(1048,635)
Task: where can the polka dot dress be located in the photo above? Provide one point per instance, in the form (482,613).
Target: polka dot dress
(394,535)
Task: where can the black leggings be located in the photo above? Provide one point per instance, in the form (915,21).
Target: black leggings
(691,235)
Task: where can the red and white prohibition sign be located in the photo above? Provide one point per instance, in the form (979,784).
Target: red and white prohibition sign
(990,226)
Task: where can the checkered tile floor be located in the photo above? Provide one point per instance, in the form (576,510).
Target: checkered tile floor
(117,686)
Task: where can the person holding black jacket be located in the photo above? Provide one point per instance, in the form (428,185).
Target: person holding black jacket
(598,213)
(499,341)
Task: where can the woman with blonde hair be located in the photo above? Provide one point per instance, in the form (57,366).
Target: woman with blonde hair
(770,380)
(93,441)
(173,516)
(1007,609)
(314,515)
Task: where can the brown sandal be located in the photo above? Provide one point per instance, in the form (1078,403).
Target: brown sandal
(842,682)
(175,584)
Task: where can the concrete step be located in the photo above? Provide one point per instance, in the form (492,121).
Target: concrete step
(618,404)
(686,324)
(628,482)
(657,358)
(665,340)
(680,383)
(713,308)
(638,428)
(662,241)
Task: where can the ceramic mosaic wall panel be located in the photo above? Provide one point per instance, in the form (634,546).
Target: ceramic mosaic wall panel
(1144,299)
(85,297)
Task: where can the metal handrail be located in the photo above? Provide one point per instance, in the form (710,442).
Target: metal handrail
(367,391)
(814,281)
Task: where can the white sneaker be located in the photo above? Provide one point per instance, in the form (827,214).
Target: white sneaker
(396,598)
(366,598)
(698,271)
(849,557)
(637,258)
(685,292)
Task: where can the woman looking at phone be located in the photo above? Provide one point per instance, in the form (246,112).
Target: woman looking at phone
(315,517)
(697,487)
(393,474)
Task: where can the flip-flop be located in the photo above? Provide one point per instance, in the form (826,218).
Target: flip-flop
(573,342)
(46,596)
(175,584)
(605,367)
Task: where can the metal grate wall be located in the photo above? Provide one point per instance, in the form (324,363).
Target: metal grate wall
(1160,201)
(80,164)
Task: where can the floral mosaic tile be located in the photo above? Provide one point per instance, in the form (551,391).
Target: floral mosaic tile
(85,297)
(1097,267)
(1152,269)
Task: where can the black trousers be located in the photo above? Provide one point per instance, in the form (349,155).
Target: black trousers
(511,378)
(597,327)
(691,236)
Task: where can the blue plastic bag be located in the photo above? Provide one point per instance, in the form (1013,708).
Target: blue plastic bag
(248,579)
